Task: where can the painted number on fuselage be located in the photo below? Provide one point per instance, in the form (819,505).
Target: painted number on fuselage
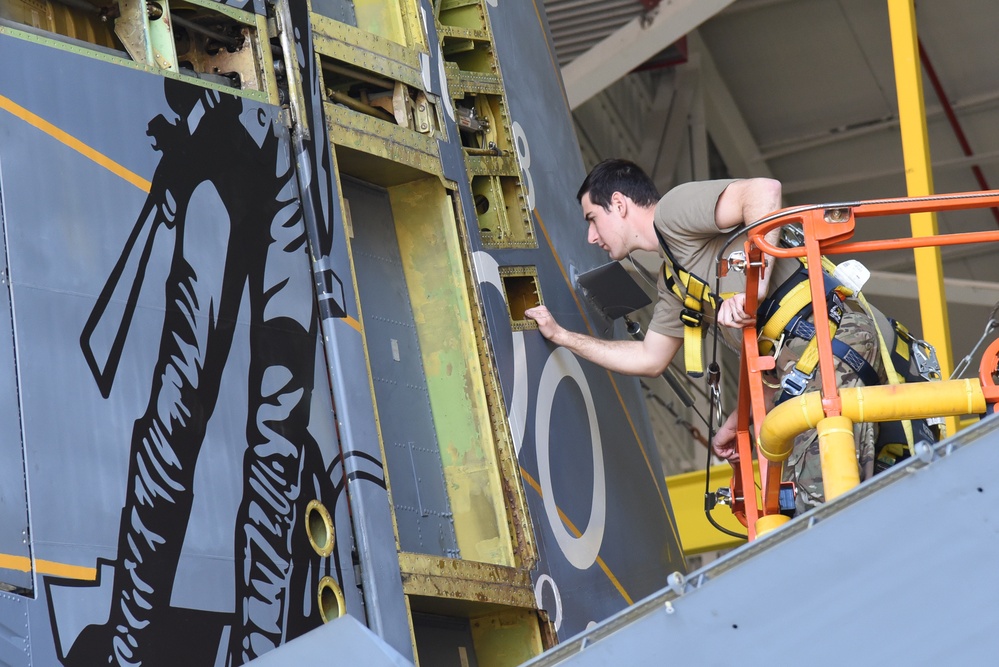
(524,158)
(580,551)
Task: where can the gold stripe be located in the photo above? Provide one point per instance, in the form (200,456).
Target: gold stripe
(352,323)
(23,564)
(74,143)
(575,531)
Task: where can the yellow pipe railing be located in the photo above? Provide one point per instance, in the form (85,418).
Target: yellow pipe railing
(837,456)
(882,403)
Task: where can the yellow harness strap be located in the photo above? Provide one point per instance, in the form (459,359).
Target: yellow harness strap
(797,298)
(694,296)
(889,366)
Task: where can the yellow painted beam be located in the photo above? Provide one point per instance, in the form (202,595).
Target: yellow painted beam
(686,495)
(919,181)
(432,260)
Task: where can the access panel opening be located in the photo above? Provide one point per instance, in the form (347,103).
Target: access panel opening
(520,284)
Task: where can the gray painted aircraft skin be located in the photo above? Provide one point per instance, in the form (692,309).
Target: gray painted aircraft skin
(172,318)
(896,571)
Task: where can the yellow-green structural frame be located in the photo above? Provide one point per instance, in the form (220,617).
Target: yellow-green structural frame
(490,584)
(919,182)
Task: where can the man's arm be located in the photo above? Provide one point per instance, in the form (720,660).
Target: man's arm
(747,201)
(648,358)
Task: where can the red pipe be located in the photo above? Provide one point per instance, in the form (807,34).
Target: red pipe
(955,124)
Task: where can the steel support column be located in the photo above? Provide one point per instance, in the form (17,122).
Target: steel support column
(919,181)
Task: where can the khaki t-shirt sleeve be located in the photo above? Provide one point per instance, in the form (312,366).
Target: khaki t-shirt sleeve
(687,212)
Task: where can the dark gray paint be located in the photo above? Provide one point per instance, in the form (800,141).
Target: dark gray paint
(338,10)
(67,221)
(422,510)
(640,545)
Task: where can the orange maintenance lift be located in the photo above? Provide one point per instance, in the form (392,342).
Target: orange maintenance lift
(827,231)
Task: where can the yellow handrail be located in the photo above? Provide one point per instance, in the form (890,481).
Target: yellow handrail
(882,403)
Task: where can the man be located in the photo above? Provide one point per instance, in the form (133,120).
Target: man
(624,213)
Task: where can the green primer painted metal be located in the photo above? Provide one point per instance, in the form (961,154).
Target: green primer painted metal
(125,62)
(240,15)
(433,263)
(507,638)
(370,52)
(489,165)
(472,82)
(382,139)
(381,18)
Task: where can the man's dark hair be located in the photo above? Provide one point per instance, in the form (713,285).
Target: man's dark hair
(616,175)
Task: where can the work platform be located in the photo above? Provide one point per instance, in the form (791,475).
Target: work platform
(900,570)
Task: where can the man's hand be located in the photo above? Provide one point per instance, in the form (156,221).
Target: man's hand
(547,325)
(725,444)
(732,313)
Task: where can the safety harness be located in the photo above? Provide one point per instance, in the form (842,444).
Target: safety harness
(694,292)
(785,315)
(913,360)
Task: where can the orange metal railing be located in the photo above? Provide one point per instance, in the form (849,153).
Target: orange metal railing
(827,231)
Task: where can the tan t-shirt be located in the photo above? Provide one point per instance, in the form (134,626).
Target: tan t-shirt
(685,216)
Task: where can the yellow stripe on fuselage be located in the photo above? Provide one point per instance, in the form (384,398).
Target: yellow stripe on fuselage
(74,143)
(48,567)
(575,531)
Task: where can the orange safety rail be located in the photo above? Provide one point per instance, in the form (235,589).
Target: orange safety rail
(827,231)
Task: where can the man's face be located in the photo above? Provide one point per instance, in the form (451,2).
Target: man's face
(607,229)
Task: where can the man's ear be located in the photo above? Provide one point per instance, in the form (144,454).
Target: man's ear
(619,203)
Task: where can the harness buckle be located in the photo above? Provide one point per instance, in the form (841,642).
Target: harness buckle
(691,318)
(926,359)
(795,382)
(778,343)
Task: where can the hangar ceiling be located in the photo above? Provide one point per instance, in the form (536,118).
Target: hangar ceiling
(802,91)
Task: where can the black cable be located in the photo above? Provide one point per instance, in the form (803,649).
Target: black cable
(634,330)
(711,436)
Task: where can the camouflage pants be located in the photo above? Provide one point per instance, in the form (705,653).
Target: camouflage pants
(803,466)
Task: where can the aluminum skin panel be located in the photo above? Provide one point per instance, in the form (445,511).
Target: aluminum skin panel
(338,10)
(604,474)
(16,571)
(360,467)
(172,370)
(897,571)
(422,510)
(15,648)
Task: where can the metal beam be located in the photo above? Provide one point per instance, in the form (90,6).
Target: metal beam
(905,286)
(726,125)
(919,180)
(633,44)
(657,119)
(857,176)
(659,154)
